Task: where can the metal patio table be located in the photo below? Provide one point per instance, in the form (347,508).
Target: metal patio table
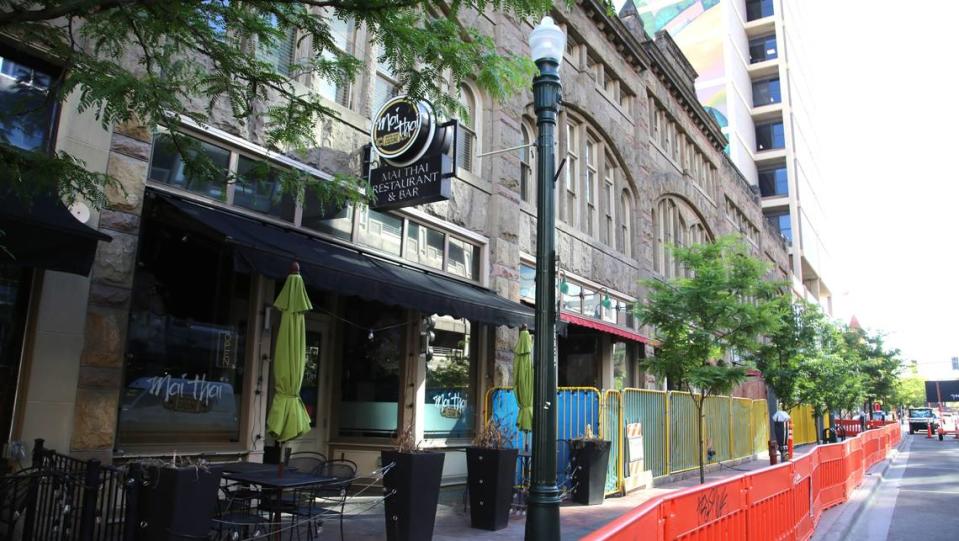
(275,482)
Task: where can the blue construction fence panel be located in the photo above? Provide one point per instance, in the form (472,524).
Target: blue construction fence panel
(575,408)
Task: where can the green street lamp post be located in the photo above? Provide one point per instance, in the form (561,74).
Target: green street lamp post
(547,43)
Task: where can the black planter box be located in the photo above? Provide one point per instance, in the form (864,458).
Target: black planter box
(411,510)
(490,476)
(177,503)
(590,460)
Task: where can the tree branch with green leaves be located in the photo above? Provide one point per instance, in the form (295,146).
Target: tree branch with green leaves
(158,63)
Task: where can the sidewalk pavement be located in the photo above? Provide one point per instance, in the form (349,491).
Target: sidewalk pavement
(367,523)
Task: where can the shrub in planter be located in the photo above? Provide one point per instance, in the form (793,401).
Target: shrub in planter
(177,502)
(590,457)
(412,486)
(491,470)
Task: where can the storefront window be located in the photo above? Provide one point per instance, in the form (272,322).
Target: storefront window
(168,167)
(327,218)
(374,345)
(448,412)
(464,259)
(571,297)
(14,299)
(591,305)
(380,231)
(259,188)
(424,245)
(186,339)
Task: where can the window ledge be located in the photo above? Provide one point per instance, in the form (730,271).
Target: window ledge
(655,144)
(602,92)
(474,180)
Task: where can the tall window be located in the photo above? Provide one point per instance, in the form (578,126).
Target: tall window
(758,9)
(770,136)
(385,86)
(26,115)
(763,48)
(526,158)
(281,52)
(625,243)
(466,138)
(568,208)
(774,182)
(186,340)
(674,224)
(609,201)
(590,188)
(370,369)
(766,91)
(341,33)
(450,383)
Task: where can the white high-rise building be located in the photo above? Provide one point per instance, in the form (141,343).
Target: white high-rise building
(751,77)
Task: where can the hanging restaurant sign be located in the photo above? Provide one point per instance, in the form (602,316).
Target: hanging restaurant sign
(412,146)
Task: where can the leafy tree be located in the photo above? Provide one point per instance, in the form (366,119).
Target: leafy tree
(910,392)
(782,356)
(719,310)
(830,379)
(160,63)
(878,366)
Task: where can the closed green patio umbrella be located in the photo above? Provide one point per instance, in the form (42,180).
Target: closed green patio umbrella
(288,418)
(523,380)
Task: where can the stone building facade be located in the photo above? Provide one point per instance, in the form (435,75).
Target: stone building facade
(644,168)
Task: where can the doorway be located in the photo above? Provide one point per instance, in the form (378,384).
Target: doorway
(315,391)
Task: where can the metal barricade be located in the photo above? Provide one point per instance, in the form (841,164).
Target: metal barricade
(740,425)
(613,432)
(779,502)
(649,408)
(683,437)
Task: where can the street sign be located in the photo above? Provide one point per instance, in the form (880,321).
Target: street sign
(425,181)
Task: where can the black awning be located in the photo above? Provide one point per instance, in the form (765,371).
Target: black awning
(42,233)
(269,249)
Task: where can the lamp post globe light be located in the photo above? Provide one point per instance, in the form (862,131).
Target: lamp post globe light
(547,43)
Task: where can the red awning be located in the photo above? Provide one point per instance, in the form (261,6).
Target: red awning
(605,327)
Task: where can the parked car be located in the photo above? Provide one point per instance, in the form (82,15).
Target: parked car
(921,418)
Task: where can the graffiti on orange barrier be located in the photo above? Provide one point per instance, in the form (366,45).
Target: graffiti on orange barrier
(711,504)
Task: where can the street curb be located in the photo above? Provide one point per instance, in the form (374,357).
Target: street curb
(874,481)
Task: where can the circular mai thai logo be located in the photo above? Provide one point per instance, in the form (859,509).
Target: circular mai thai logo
(403,130)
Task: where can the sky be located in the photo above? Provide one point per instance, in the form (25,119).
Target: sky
(882,80)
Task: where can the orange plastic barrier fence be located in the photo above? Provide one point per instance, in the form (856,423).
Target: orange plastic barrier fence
(779,502)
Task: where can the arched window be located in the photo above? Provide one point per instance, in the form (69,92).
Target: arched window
(568,202)
(526,158)
(590,177)
(466,139)
(625,240)
(609,201)
(675,223)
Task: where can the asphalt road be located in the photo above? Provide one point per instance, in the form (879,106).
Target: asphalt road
(918,498)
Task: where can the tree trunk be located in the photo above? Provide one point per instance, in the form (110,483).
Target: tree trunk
(699,410)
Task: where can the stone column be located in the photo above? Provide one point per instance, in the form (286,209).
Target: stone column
(101,363)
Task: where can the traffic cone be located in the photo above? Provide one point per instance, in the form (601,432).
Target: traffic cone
(929,434)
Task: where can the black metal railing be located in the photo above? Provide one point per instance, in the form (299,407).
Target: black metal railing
(63,498)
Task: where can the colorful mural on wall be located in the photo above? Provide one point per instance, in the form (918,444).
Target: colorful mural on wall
(697,27)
